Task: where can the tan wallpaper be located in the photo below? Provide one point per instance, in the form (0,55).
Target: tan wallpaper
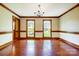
(39,26)
(39,23)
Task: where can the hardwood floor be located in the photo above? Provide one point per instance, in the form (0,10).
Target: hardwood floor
(45,47)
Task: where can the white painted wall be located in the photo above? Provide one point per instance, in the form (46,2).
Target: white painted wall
(5,25)
(5,38)
(70,37)
(70,22)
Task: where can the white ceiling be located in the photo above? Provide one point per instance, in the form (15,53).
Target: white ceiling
(50,9)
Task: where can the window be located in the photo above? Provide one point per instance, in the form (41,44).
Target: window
(47,28)
(30,28)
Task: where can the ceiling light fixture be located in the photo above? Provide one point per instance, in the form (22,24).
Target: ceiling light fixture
(39,12)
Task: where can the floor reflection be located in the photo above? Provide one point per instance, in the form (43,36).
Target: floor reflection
(6,51)
(30,48)
(46,47)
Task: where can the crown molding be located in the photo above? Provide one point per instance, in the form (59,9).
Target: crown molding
(9,9)
(38,17)
(69,10)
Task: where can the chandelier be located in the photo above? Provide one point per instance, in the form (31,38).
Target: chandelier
(39,12)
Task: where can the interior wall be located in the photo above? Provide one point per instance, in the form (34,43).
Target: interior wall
(5,25)
(70,23)
(39,26)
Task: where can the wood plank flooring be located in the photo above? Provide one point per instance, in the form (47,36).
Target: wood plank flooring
(40,47)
